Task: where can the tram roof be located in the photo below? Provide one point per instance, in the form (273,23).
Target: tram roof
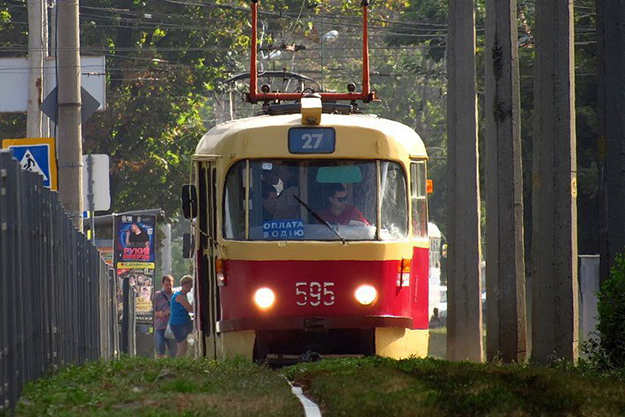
(358,136)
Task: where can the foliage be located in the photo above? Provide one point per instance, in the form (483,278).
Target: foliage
(166,62)
(164,59)
(421,387)
(13,42)
(611,307)
(347,387)
(146,387)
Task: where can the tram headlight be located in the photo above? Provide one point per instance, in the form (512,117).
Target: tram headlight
(264,298)
(366,294)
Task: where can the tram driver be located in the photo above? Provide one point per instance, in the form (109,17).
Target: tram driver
(339,212)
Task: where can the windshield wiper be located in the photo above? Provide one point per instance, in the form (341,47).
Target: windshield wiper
(318,217)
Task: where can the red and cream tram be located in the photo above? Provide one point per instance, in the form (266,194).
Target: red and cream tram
(310,234)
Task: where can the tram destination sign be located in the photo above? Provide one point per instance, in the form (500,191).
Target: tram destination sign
(311,140)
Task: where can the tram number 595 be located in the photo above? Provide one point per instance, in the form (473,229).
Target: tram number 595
(314,293)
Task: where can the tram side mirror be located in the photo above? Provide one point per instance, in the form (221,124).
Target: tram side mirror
(189,201)
(187,246)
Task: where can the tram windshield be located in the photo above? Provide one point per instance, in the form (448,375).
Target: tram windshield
(316,200)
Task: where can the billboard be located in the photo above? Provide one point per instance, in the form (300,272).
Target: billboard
(134,258)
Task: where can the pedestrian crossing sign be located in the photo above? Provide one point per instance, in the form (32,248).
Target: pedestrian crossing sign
(36,155)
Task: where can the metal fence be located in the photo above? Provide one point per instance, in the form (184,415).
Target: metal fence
(57,297)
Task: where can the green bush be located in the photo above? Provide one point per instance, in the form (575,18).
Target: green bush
(611,307)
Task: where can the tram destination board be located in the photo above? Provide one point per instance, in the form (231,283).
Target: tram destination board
(311,140)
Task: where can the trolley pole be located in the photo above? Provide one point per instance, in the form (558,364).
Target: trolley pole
(554,236)
(611,107)
(69,134)
(464,320)
(505,265)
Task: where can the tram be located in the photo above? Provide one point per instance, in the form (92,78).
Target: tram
(311,230)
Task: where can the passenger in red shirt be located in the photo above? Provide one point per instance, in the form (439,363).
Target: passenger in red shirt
(339,211)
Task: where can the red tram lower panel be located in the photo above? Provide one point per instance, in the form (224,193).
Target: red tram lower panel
(322,294)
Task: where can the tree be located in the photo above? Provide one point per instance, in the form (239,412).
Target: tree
(164,60)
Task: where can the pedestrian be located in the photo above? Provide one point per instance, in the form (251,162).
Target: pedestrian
(180,319)
(435,320)
(162,308)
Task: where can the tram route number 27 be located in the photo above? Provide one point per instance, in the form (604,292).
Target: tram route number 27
(314,293)
(309,140)
(312,140)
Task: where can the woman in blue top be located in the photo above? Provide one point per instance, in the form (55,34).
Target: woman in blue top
(179,319)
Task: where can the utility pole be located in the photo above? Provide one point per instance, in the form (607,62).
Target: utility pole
(464,320)
(555,310)
(69,123)
(611,107)
(37,51)
(505,265)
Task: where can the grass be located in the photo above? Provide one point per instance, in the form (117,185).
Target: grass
(343,387)
(145,387)
(429,387)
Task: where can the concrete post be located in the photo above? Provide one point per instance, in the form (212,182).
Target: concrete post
(464,320)
(611,108)
(37,51)
(555,311)
(69,123)
(589,287)
(505,265)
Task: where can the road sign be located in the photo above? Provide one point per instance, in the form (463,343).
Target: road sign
(36,155)
(95,181)
(14,81)
(51,103)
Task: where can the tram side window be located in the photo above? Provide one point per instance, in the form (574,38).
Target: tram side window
(393,190)
(234,202)
(418,199)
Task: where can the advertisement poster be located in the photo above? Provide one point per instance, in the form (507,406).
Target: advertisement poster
(142,283)
(134,258)
(105,247)
(134,241)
